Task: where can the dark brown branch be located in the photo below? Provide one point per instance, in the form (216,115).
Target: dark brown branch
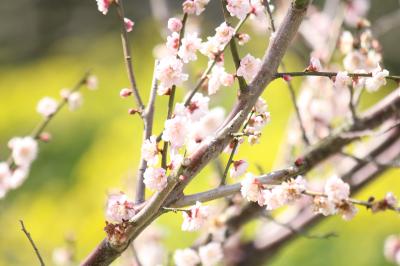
(28,235)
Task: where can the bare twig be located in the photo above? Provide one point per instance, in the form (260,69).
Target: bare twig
(328,75)
(127,55)
(352,105)
(148,117)
(28,235)
(289,82)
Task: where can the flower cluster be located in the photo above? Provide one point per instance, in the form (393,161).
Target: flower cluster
(208,255)
(195,218)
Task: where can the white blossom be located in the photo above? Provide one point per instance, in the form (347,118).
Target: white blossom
(24,150)
(324,206)
(238,8)
(175,131)
(377,80)
(189,46)
(346,42)
(211,254)
(150,151)
(75,100)
(224,33)
(119,208)
(155,178)
(186,257)
(392,249)
(342,80)
(47,106)
(195,218)
(336,189)
(169,73)
(252,189)
(194,6)
(238,168)
(211,47)
(249,66)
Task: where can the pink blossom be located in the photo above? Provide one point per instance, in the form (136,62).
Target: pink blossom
(249,67)
(239,8)
(292,190)
(257,8)
(324,206)
(355,10)
(315,65)
(224,33)
(195,218)
(354,60)
(243,38)
(189,46)
(155,178)
(238,168)
(128,24)
(217,78)
(342,80)
(186,257)
(150,151)
(336,189)
(196,109)
(211,47)
(103,5)
(47,106)
(347,210)
(252,189)
(173,44)
(194,6)
(211,254)
(169,73)
(175,131)
(119,208)
(174,24)
(24,150)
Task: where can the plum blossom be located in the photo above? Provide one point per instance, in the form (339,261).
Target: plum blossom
(377,80)
(128,24)
(47,106)
(196,109)
(190,44)
(63,256)
(218,78)
(347,210)
(293,189)
(252,189)
(175,131)
(150,151)
(194,6)
(391,200)
(261,106)
(169,73)
(392,249)
(346,42)
(272,198)
(92,82)
(119,208)
(195,218)
(238,8)
(155,178)
(174,24)
(18,177)
(324,206)
(342,80)
(336,190)
(186,257)
(354,60)
(75,100)
(224,33)
(24,150)
(211,47)
(238,168)
(173,44)
(103,5)
(249,66)
(243,38)
(5,175)
(211,254)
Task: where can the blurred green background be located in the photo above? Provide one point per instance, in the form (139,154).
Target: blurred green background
(96,148)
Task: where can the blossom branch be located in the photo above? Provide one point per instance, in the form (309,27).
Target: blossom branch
(148,117)
(39,129)
(207,151)
(28,235)
(128,56)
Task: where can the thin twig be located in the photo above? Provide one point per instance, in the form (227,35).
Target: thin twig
(371,160)
(127,55)
(148,117)
(289,82)
(352,105)
(328,74)
(28,235)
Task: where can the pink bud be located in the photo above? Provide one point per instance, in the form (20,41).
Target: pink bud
(174,24)
(287,78)
(133,111)
(128,24)
(125,92)
(45,137)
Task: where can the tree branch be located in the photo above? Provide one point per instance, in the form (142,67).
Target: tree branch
(329,75)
